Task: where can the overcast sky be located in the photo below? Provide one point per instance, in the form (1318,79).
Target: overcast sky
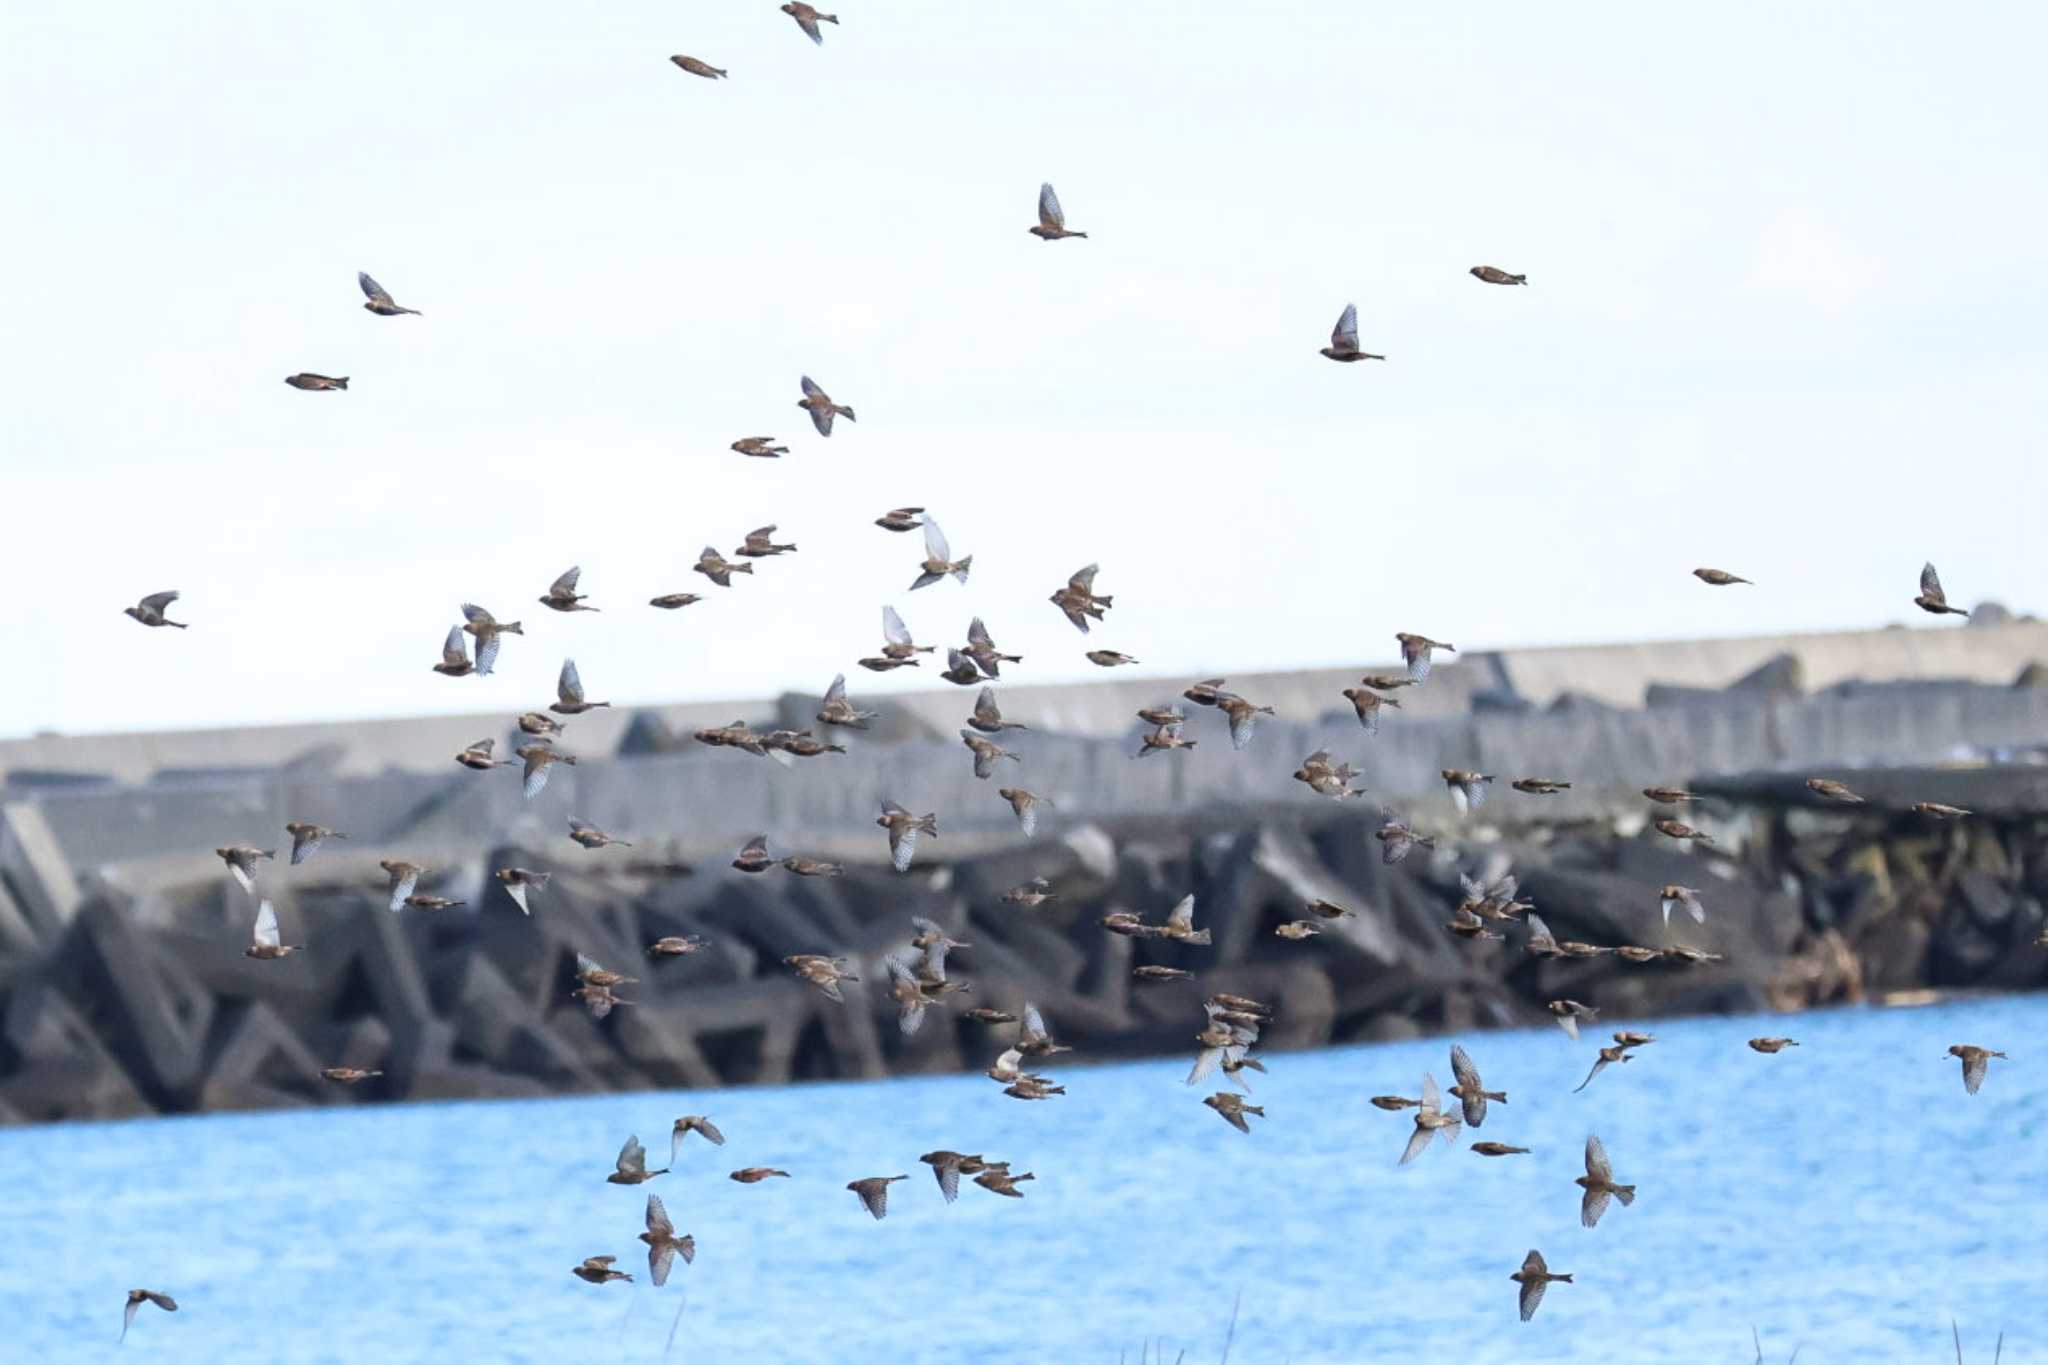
(1784,318)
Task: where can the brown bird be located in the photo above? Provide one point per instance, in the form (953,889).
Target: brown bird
(1938,811)
(1033,1038)
(539,723)
(1385,682)
(1629,952)
(1165,738)
(1570,1014)
(590,836)
(837,710)
(1541,943)
(1397,840)
(1243,715)
(591,974)
(138,1297)
(670,601)
(482,756)
(598,1270)
(1108,658)
(1976,1061)
(540,761)
(1368,703)
(688,1124)
(985,1015)
(709,73)
(1932,598)
(983,651)
(1298,929)
(265,944)
(754,1175)
(1180,924)
(455,656)
(1468,790)
(938,559)
(1673,829)
(1151,973)
(677,945)
(1416,653)
(760,544)
(1493,276)
(1617,1053)
(404,878)
(150,610)
(986,752)
(1430,1119)
(1025,804)
(1629,1038)
(988,717)
(562,594)
(1394,1103)
(808,20)
(754,856)
(307,838)
(632,1166)
(1669,796)
(1207,692)
(715,567)
(569,700)
(1693,955)
(1078,602)
(874,1191)
(241,862)
(1830,790)
(1031,894)
(1232,1108)
(378,302)
(346,1075)
(1539,786)
(908,994)
(1771,1044)
(517,881)
(998,1180)
(1052,222)
(823,972)
(1718,578)
(948,1167)
(316,383)
(1676,897)
(900,519)
(1467,924)
(897,646)
(663,1246)
(1498,1149)
(810,867)
(1327,779)
(1323,909)
(1533,1277)
(815,400)
(1344,338)
(903,830)
(1598,1182)
(598,999)
(1469,1090)
(489,633)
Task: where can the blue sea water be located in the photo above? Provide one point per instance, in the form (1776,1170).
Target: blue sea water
(1846,1198)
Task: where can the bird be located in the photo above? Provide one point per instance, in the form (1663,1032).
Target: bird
(346,1075)
(1769,1045)
(1936,810)
(1674,829)
(265,945)
(1180,923)
(590,836)
(1494,276)
(317,383)
(424,902)
(591,974)
(874,1190)
(488,631)
(241,863)
(663,1246)
(754,1175)
(1570,1014)
(569,693)
(632,1164)
(671,601)
(760,544)
(598,1270)
(1669,796)
(540,761)
(1629,1038)
(908,994)
(1466,924)
(1298,929)
(948,1167)
(562,594)
(938,559)
(1616,1053)
(1541,943)
(1539,786)
(1468,790)
(1150,972)
(996,1179)
(1417,652)
(539,723)
(1394,1104)
(988,717)
(810,867)
(1033,1038)
(903,830)
(1325,778)
(379,301)
(517,881)
(1470,1091)
(986,752)
(1344,338)
(1718,577)
(688,1124)
(1025,805)
(1675,896)
(404,877)
(835,709)
(307,838)
(1108,658)
(1207,692)
(1052,221)
(1430,1119)
(1232,1108)
(709,73)
(823,972)
(715,567)
(1976,1061)
(1385,682)
(455,656)
(1397,840)
(482,756)
(1598,1182)
(1498,1149)
(1830,790)
(677,945)
(1031,894)
(982,650)
(1164,738)
(1243,715)
(815,400)
(1533,1277)
(808,20)
(1932,598)
(900,519)
(1078,601)
(1367,704)
(150,610)
(138,1297)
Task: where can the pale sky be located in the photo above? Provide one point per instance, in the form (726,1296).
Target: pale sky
(1787,275)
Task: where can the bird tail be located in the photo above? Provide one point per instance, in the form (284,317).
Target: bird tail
(1626,1194)
(341,383)
(511,628)
(1255,1109)
(847,413)
(1189,743)
(570,759)
(960,569)
(1200,938)
(169,622)
(741,568)
(929,824)
(1519,279)
(832,19)
(1105,603)
(1563,1279)
(1020,1179)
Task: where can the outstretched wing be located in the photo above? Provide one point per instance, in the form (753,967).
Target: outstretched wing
(1597,1164)
(1345,336)
(566,584)
(893,629)
(266,926)
(569,687)
(1182,916)
(1049,213)
(455,650)
(374,291)
(935,546)
(835,695)
(1930,581)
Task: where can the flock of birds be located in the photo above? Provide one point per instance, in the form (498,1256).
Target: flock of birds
(918,981)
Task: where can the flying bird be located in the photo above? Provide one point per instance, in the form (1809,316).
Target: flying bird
(1718,577)
(808,20)
(517,881)
(1830,790)
(1932,598)
(754,1175)
(1344,338)
(540,761)
(1675,829)
(1430,1120)
(317,383)
(1570,1014)
(632,1164)
(1367,704)
(1243,715)
(1108,658)
(1024,804)
(823,972)
(1468,790)
(1598,1182)
(1676,897)
(1976,1061)
(874,1190)
(598,1270)
(715,567)
(455,656)
(835,709)
(900,519)
(903,830)
(1052,221)
(404,879)
(379,301)
(709,73)
(138,1297)
(1397,840)
(670,601)
(482,756)
(1470,1091)
(1232,1108)
(988,717)
(488,631)
(815,400)
(150,610)
(1078,601)
(1540,786)
(1498,1149)
(562,594)
(346,1075)
(1936,810)
(1534,1276)
(241,862)
(1493,276)
(1417,651)
(1771,1045)
(569,693)
(1617,1053)
(589,835)
(688,1124)
(663,1246)
(265,945)
(1326,778)
(986,752)
(760,544)
(938,559)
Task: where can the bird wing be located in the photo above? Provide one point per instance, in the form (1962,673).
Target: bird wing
(1083,580)
(1205,1063)
(537,769)
(807,20)
(566,584)
(948,1176)
(402,885)
(632,1156)
(977,635)
(1592,1206)
(903,845)
(893,629)
(935,546)
(1182,916)
(374,291)
(1974,1067)
(710,1130)
(875,1195)
(128,1316)
(1049,212)
(660,1257)
(266,926)
(1532,1290)
(1570,1024)
(985,708)
(1598,1066)
(157,601)
(1033,1025)
(455,649)
(657,1218)
(569,686)
(811,390)
(1432,1098)
(305,843)
(476,615)
(1242,717)
(1417,1140)
(1345,336)
(835,695)
(1027,818)
(1462,1068)
(1930,581)
(1596,1160)
(486,651)
(757,844)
